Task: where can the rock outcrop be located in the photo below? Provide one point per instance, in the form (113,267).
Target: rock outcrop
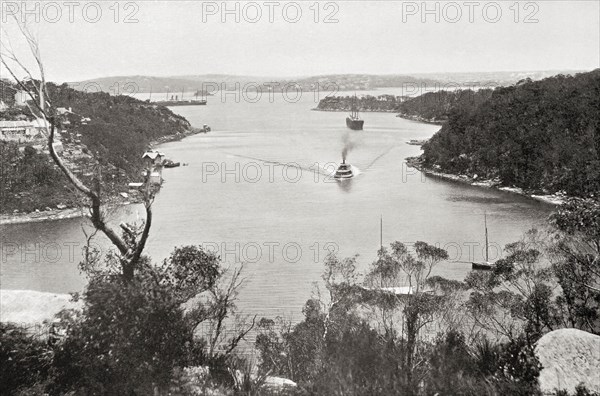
(569,357)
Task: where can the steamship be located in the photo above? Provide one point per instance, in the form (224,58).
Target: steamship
(353,121)
(344,171)
(175,101)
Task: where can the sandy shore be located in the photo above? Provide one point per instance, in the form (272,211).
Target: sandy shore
(46,215)
(29,307)
(553,199)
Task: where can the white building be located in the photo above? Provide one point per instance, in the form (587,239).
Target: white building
(23,131)
(21,98)
(153,157)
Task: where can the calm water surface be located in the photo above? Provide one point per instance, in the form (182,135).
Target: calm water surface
(256,189)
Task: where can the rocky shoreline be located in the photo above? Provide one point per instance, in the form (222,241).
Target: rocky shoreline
(347,110)
(552,199)
(177,137)
(419,119)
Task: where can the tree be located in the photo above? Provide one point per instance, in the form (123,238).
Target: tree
(518,295)
(133,336)
(130,249)
(136,328)
(389,274)
(575,255)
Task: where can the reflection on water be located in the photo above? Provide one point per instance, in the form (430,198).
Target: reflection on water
(257,189)
(480,200)
(345,185)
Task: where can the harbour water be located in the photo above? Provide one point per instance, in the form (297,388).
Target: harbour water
(256,189)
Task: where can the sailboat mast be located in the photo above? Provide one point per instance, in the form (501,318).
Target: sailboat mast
(487,259)
(381,231)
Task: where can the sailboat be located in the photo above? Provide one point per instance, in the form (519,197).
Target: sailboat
(353,121)
(486,265)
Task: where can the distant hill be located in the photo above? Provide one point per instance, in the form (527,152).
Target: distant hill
(177,84)
(541,136)
(492,79)
(343,82)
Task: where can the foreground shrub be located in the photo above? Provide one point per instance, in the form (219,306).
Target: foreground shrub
(131,337)
(24,359)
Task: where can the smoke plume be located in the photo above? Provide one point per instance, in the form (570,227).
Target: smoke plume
(348,145)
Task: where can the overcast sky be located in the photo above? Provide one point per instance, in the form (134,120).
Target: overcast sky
(378,37)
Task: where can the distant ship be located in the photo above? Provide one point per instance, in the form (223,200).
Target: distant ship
(344,171)
(353,121)
(175,101)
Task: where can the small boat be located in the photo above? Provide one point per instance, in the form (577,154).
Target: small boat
(486,265)
(353,121)
(415,142)
(344,171)
(170,164)
(481,266)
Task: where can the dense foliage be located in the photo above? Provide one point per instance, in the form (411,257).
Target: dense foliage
(121,127)
(105,130)
(436,106)
(134,337)
(363,340)
(29,180)
(541,136)
(383,103)
(25,360)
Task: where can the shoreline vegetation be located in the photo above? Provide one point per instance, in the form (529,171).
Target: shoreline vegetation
(535,136)
(417,163)
(99,136)
(115,200)
(410,117)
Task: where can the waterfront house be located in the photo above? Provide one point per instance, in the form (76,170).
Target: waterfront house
(153,158)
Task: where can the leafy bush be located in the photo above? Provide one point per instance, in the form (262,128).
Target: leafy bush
(25,359)
(130,338)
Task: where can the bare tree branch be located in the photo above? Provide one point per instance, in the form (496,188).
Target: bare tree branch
(131,254)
